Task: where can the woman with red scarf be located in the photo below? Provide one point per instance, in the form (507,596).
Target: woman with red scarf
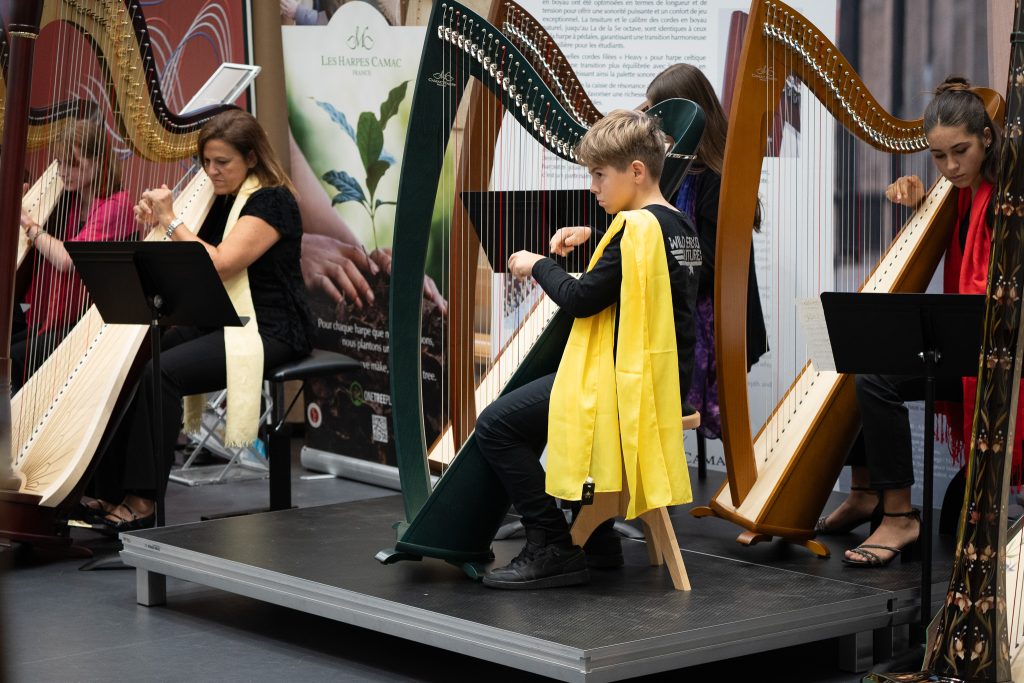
(964,144)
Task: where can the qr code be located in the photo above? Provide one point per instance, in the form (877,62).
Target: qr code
(380,428)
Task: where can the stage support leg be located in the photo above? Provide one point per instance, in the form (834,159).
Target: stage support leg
(856,651)
(150,588)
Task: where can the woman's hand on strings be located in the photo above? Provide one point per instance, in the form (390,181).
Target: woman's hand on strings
(30,227)
(566,239)
(906,191)
(520,264)
(156,207)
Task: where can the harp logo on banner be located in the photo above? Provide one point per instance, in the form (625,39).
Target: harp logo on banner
(361,38)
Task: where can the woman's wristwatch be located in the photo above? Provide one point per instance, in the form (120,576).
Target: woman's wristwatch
(172,226)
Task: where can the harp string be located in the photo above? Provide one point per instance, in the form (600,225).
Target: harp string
(76,72)
(507,315)
(826,224)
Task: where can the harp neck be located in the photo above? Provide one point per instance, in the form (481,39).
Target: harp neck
(119,36)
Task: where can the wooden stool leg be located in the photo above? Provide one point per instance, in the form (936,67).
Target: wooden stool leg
(605,506)
(662,546)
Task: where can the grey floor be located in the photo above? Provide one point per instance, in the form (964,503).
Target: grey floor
(62,624)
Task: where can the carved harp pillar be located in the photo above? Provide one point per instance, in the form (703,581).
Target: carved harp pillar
(779,478)
(978,633)
(521,81)
(23,30)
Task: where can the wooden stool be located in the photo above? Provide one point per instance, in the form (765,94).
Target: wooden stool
(662,546)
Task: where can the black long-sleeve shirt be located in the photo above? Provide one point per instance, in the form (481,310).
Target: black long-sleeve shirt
(600,287)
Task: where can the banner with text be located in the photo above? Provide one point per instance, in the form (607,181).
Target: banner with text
(349,93)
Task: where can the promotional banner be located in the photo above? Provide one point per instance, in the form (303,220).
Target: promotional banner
(349,93)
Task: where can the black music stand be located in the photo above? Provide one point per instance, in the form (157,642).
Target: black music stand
(154,284)
(925,335)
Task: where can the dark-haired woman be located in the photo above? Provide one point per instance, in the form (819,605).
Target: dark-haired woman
(698,198)
(253,234)
(963,143)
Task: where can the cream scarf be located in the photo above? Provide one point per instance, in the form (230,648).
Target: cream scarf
(243,349)
(610,413)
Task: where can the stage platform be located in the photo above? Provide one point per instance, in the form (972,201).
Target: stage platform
(627,622)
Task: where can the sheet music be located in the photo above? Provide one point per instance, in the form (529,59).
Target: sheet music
(812,320)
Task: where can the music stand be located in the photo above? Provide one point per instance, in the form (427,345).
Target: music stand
(926,335)
(154,284)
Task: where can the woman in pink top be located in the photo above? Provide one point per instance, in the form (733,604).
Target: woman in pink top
(92,208)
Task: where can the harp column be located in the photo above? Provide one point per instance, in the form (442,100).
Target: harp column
(23,29)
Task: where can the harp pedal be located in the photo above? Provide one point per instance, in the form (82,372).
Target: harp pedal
(588,492)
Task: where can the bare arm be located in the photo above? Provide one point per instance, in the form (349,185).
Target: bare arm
(248,240)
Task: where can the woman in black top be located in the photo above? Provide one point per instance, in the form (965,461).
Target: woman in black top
(263,243)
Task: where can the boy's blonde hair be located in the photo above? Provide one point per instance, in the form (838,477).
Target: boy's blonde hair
(622,137)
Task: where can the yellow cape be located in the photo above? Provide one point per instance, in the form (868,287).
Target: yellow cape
(608,413)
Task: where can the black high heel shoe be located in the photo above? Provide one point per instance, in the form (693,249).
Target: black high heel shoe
(908,553)
(822,527)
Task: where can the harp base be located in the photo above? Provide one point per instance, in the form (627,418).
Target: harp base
(757,533)
(473,570)
(816,547)
(25,521)
(391,556)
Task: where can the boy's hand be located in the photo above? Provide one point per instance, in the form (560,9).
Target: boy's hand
(908,191)
(567,239)
(520,264)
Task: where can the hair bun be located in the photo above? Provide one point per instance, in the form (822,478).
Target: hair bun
(953,84)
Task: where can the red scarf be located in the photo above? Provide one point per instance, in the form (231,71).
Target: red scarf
(966,272)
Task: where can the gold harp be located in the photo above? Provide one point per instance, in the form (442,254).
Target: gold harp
(67,410)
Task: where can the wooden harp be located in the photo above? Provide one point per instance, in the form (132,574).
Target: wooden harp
(779,478)
(518,75)
(67,410)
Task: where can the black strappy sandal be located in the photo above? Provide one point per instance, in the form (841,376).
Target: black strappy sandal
(88,512)
(909,552)
(134,523)
(822,527)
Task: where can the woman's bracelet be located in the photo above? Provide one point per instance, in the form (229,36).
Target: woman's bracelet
(172,226)
(39,231)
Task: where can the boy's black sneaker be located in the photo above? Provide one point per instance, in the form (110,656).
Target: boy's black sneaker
(604,549)
(541,566)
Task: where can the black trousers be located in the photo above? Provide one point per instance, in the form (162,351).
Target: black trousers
(191,362)
(884,445)
(512,433)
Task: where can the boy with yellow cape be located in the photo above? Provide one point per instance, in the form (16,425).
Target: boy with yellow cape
(615,403)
